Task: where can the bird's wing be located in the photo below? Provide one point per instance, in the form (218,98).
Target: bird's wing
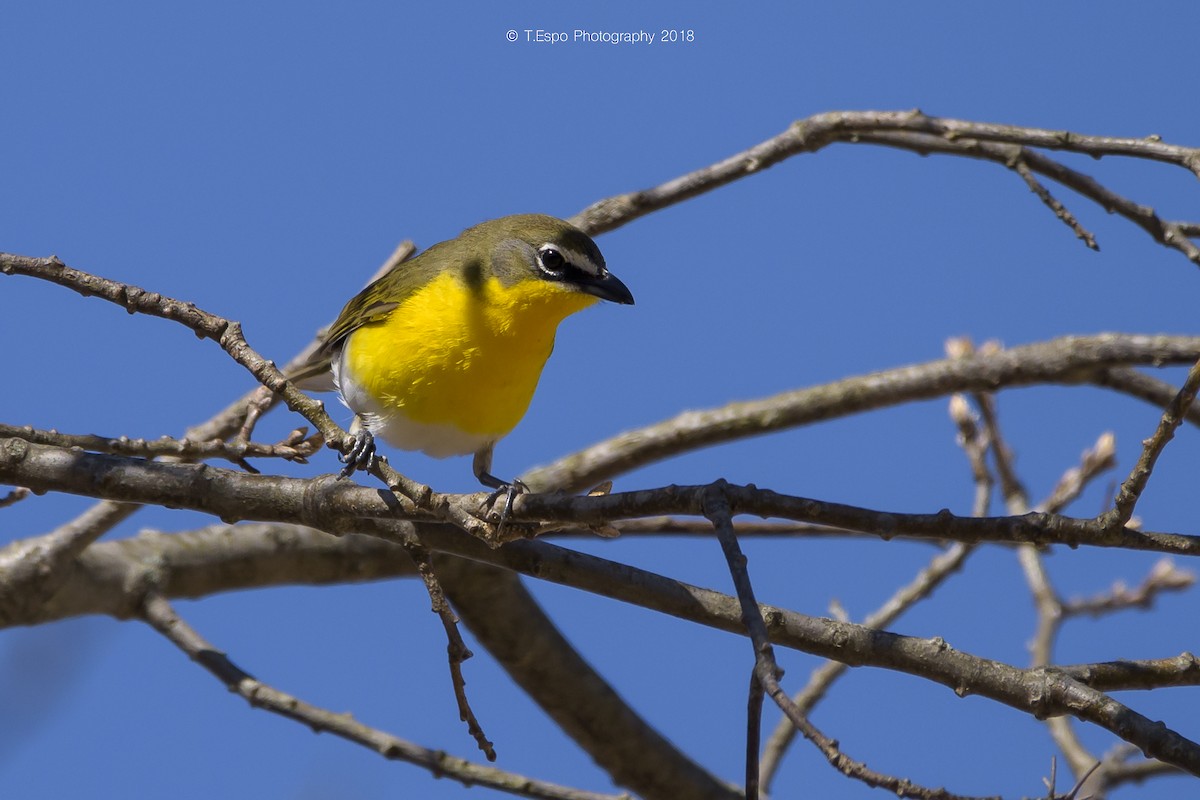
(379,299)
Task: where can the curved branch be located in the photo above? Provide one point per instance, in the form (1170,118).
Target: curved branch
(589,710)
(33,571)
(226,333)
(1015,157)
(919,133)
(1069,360)
(223,558)
(1045,692)
(157,613)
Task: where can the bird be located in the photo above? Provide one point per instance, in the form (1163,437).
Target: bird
(442,354)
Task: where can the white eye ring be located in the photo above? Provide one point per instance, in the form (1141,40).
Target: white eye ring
(550,259)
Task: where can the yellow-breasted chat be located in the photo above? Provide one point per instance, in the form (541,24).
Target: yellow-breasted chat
(443,353)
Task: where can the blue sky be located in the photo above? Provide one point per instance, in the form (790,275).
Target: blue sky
(262,161)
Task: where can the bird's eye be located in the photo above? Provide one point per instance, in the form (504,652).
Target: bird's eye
(551,260)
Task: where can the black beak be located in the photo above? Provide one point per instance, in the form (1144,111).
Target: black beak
(607,287)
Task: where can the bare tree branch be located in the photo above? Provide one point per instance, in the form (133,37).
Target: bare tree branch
(1046,601)
(1172,418)
(224,332)
(340,506)
(974,443)
(1069,360)
(294,448)
(66,572)
(1022,168)
(767,672)
(1164,577)
(1167,233)
(1101,457)
(1042,692)
(456,649)
(690,528)
(33,570)
(224,558)
(512,626)
(15,496)
(1008,145)
(159,615)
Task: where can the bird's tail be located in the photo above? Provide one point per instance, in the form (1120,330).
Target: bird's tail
(310,370)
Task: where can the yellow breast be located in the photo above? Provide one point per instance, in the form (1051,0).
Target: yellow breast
(450,356)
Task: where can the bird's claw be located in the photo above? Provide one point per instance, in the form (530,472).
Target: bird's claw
(360,456)
(511,490)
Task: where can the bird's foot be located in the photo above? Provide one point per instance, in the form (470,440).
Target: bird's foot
(510,491)
(360,456)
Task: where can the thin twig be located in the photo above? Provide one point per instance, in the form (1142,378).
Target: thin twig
(159,614)
(1117,769)
(754,707)
(296,447)
(240,417)
(1172,418)
(1096,460)
(1052,781)
(974,443)
(1007,145)
(15,496)
(1053,203)
(767,672)
(1052,612)
(1083,779)
(1046,600)
(505,618)
(1167,233)
(822,678)
(1164,577)
(456,649)
(224,332)
(1016,498)
(1154,391)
